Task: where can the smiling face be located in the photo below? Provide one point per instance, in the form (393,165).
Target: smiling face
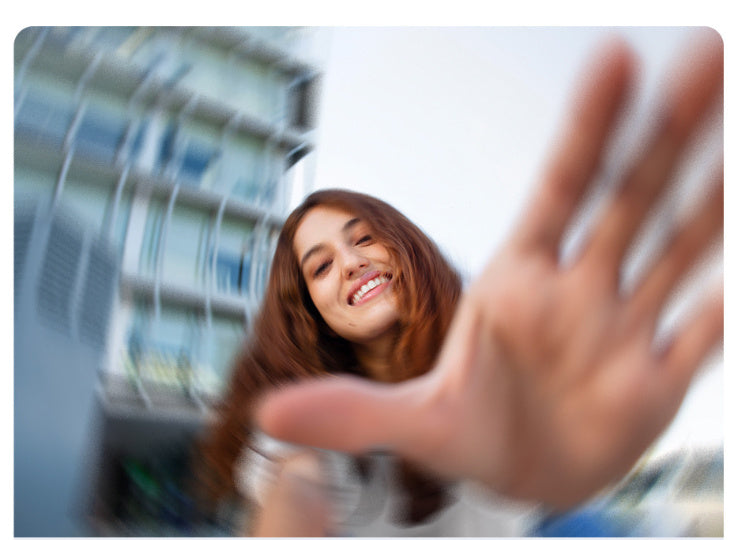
(348,274)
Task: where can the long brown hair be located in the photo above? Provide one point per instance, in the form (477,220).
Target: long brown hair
(291,341)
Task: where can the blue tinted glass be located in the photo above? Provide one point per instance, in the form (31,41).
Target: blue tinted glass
(166,148)
(195,162)
(229,271)
(100,133)
(137,142)
(44,116)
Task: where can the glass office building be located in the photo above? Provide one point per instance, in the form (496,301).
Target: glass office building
(153,169)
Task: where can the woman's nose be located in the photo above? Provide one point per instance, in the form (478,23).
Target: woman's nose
(353,264)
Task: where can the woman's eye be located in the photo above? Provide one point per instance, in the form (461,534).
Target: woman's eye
(322,268)
(364,239)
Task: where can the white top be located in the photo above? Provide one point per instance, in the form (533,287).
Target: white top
(366,507)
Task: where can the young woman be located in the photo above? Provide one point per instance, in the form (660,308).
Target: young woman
(550,380)
(356,288)
(554,378)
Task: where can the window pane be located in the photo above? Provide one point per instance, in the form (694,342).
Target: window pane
(205,67)
(194,153)
(33,182)
(151,237)
(163,350)
(242,167)
(223,343)
(186,241)
(254,87)
(121,219)
(49,115)
(265,248)
(109,38)
(88,198)
(100,131)
(232,266)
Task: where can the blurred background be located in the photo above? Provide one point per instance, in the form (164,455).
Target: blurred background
(154,167)
(153,170)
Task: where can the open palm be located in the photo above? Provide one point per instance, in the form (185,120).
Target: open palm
(549,384)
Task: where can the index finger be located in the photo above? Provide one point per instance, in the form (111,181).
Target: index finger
(596,106)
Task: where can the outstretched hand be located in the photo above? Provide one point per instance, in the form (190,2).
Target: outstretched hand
(550,385)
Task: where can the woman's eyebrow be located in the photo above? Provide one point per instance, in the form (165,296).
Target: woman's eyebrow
(318,247)
(350,224)
(312,251)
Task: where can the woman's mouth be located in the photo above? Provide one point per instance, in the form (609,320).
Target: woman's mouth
(370,288)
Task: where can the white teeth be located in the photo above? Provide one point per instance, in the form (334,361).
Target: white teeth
(364,289)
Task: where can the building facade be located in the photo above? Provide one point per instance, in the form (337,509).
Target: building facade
(154,167)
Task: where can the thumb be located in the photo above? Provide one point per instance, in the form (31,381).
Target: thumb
(345,413)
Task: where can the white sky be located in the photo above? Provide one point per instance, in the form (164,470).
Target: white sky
(452,126)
